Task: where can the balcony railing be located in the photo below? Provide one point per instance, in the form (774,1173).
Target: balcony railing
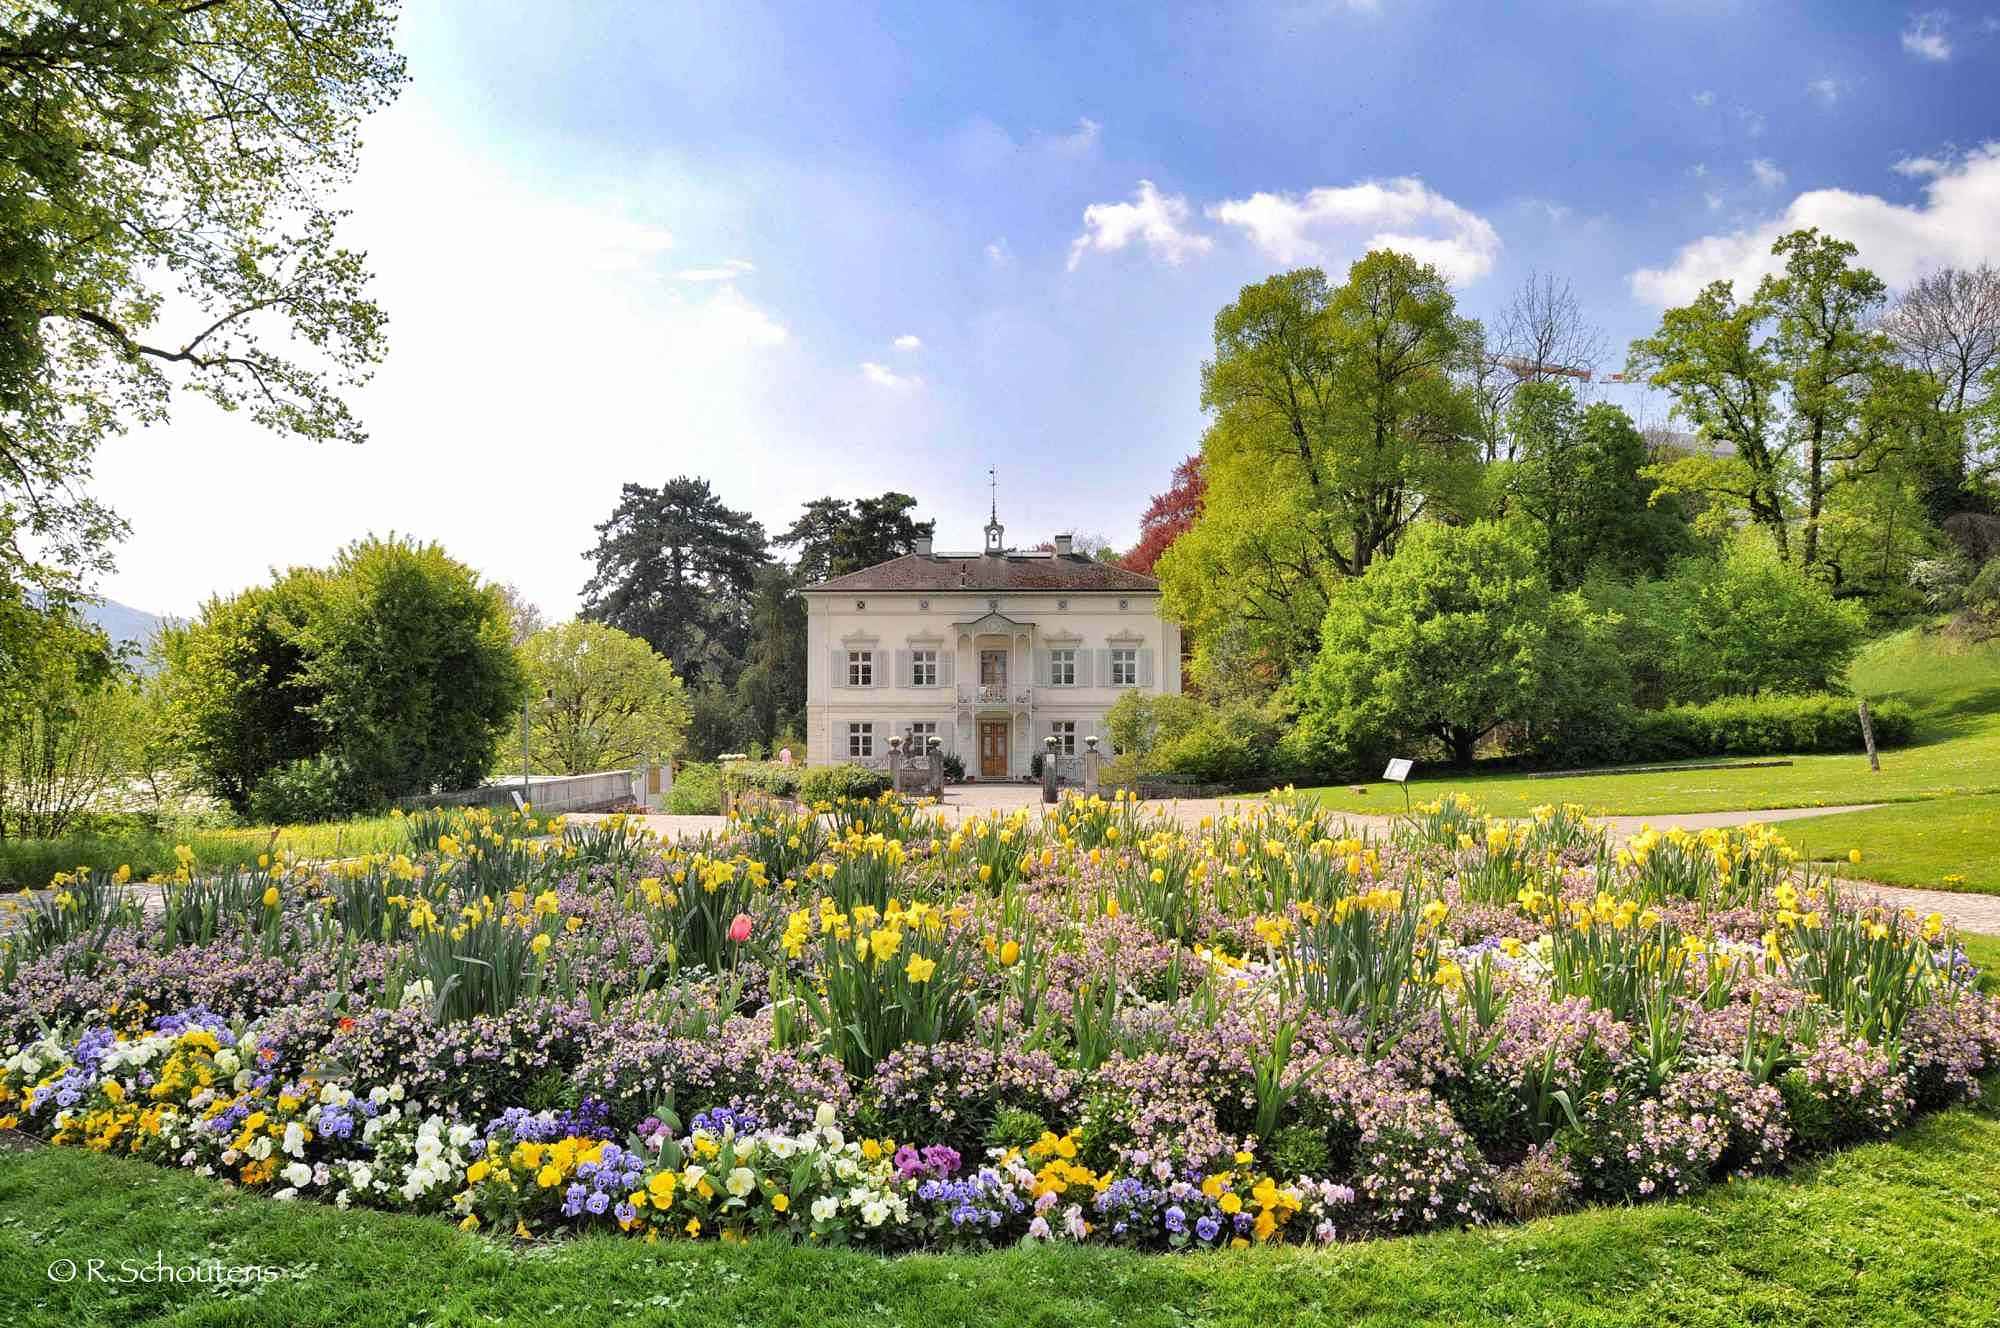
(995,694)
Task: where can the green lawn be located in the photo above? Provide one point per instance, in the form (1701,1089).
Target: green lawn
(1897,1233)
(1914,843)
(1953,686)
(28,863)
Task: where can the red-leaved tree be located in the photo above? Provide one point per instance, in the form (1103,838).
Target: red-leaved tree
(1168,516)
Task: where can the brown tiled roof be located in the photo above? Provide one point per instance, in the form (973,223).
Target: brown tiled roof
(943,572)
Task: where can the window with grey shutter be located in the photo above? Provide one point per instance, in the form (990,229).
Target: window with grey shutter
(1145,668)
(1083,668)
(840,668)
(1104,668)
(903,677)
(947,666)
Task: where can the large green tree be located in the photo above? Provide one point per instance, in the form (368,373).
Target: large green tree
(1456,636)
(1576,481)
(771,692)
(1792,393)
(836,535)
(167,171)
(601,700)
(1340,415)
(392,668)
(676,567)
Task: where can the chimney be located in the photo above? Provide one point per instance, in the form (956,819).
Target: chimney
(923,546)
(1063,545)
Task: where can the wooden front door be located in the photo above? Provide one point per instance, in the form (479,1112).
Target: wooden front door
(992,749)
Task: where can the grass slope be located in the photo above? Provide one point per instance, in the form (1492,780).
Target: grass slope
(29,863)
(1948,779)
(1899,1233)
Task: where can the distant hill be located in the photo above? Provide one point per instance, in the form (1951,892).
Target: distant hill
(122,622)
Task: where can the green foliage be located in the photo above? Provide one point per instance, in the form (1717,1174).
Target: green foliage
(834,536)
(1763,726)
(834,783)
(1797,394)
(67,711)
(1339,415)
(1740,623)
(168,222)
(1576,480)
(394,662)
(314,788)
(771,691)
(1455,636)
(697,790)
(601,699)
(676,567)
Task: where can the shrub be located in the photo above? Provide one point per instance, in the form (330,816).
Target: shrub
(395,659)
(316,788)
(831,783)
(697,790)
(1762,726)
(1744,622)
(772,777)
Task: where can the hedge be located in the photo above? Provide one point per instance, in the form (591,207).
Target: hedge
(1762,726)
(808,784)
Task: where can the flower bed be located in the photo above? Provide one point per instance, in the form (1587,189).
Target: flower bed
(873,1028)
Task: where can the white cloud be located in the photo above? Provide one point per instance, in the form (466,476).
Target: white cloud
(625,361)
(727,270)
(997,252)
(1751,121)
(883,376)
(1953,225)
(909,341)
(1699,170)
(1704,98)
(1925,37)
(1766,173)
(1713,200)
(1919,167)
(1829,89)
(1402,213)
(1157,220)
(1079,140)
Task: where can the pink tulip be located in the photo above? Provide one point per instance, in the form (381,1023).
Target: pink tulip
(739,928)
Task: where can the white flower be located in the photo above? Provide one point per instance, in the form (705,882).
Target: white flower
(378,1095)
(874,1212)
(823,1117)
(824,1208)
(461,1135)
(227,1061)
(741,1181)
(360,1175)
(298,1175)
(295,1139)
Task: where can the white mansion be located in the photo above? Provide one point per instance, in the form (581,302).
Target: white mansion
(991,652)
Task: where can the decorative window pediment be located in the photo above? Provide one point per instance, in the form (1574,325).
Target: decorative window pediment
(995,622)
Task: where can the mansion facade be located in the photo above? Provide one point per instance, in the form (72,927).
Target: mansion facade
(990,652)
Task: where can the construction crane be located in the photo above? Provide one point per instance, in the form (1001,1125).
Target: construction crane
(1521,368)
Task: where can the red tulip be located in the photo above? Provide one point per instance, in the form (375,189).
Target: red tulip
(739,928)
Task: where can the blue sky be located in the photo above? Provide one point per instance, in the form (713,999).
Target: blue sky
(838,248)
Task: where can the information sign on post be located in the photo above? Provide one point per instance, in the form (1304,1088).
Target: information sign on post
(1399,773)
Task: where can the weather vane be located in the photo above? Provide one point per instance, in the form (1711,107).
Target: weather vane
(993,489)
